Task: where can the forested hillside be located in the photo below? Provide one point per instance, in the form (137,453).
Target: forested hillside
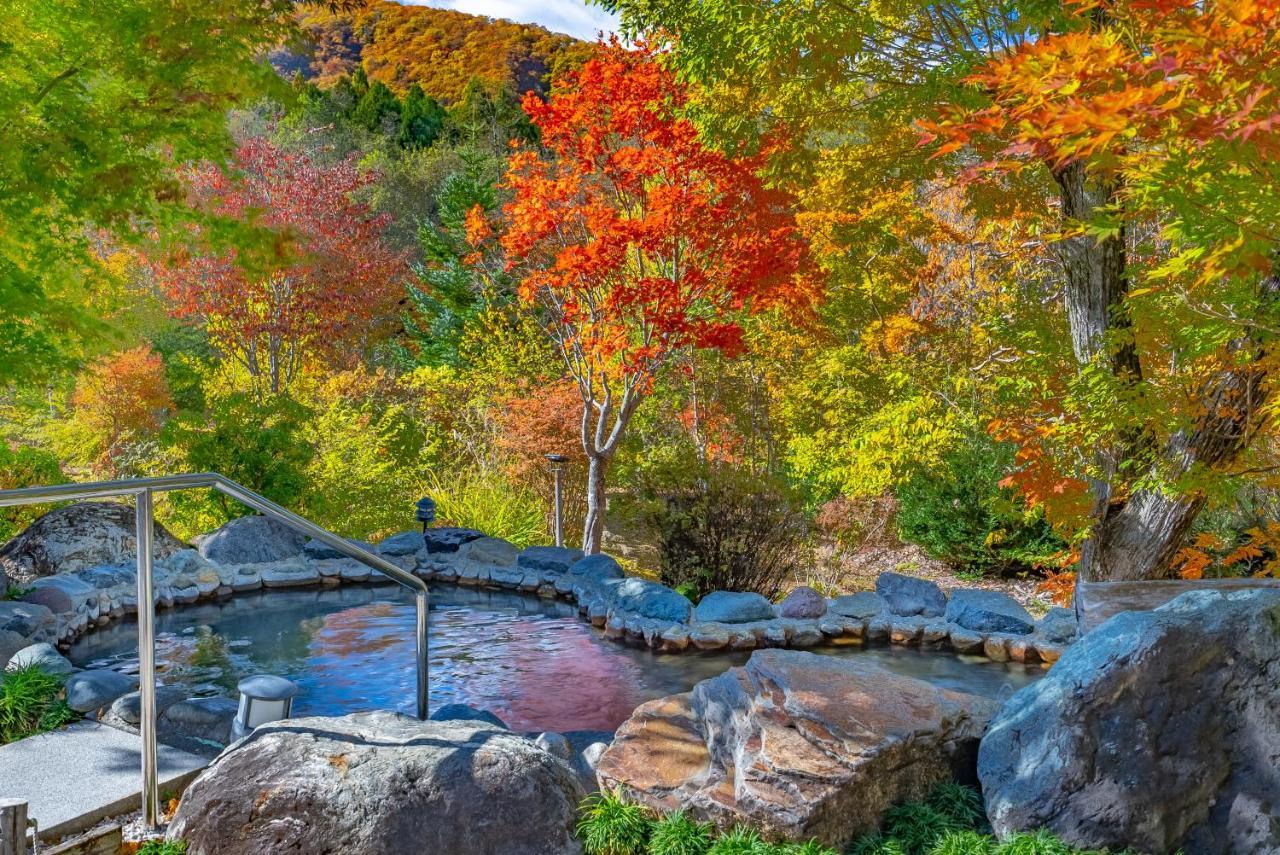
(439,49)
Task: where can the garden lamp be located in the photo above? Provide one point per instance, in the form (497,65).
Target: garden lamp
(557,462)
(263,698)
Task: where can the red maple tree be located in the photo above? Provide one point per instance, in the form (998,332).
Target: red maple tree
(328,278)
(638,241)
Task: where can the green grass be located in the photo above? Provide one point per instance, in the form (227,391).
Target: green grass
(163,847)
(610,826)
(677,834)
(949,821)
(31,702)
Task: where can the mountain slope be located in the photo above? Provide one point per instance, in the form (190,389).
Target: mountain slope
(439,49)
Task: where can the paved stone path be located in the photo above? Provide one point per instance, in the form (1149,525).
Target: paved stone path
(74,777)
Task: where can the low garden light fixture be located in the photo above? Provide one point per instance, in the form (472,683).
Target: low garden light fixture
(263,698)
(557,462)
(425,512)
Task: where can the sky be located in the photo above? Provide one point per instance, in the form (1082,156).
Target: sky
(574,17)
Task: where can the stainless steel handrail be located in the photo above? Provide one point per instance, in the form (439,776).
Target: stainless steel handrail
(143,489)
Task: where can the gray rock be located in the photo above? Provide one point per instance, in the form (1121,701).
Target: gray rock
(796,744)
(1159,730)
(556,745)
(404,543)
(252,540)
(10,643)
(803,603)
(76,537)
(554,559)
(988,611)
(651,600)
(1059,625)
(464,712)
(109,576)
(54,599)
(863,604)
(28,620)
(77,590)
(733,607)
(318,550)
(91,690)
(492,551)
(43,656)
(597,568)
(127,709)
(907,595)
(200,721)
(288,574)
(448,539)
(381,784)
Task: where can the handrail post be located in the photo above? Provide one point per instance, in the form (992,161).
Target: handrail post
(421,653)
(147,662)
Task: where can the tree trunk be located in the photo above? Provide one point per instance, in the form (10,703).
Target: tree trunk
(593,531)
(1137,537)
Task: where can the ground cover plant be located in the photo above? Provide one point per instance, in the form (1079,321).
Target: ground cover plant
(950,821)
(31,702)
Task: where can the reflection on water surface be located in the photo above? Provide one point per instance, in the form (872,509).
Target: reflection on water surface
(530,661)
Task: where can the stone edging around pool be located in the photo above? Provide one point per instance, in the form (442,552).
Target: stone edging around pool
(629,610)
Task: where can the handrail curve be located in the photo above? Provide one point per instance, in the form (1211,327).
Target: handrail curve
(142,490)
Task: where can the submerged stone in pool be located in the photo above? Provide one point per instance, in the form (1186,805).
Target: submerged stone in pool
(532,662)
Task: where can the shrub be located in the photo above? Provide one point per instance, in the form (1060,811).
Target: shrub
(917,826)
(959,803)
(610,826)
(677,834)
(163,847)
(877,844)
(23,466)
(31,703)
(728,530)
(486,502)
(862,521)
(740,840)
(962,515)
(260,444)
(963,842)
(1039,842)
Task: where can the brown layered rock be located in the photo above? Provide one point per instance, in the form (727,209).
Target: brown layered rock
(798,744)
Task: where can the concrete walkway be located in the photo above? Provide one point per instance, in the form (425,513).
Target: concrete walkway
(74,777)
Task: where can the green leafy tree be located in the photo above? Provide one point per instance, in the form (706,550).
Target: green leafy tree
(421,119)
(99,101)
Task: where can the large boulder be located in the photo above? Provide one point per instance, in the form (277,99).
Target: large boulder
(733,607)
(797,744)
(404,543)
(643,598)
(381,784)
(252,540)
(907,595)
(988,611)
(1059,625)
(76,537)
(1159,730)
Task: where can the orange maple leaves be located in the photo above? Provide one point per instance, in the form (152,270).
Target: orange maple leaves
(1154,71)
(638,238)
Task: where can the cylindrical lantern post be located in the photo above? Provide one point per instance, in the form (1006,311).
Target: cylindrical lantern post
(557,468)
(264,698)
